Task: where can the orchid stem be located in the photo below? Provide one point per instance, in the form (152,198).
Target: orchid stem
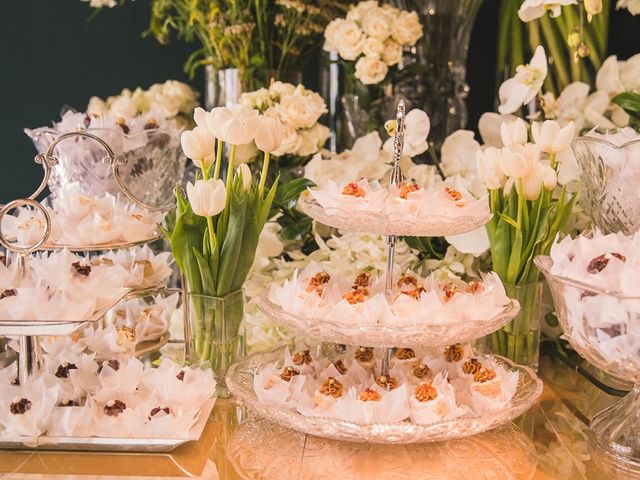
(263,175)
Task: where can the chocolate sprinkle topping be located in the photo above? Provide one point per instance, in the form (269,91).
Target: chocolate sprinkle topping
(9,292)
(63,370)
(600,262)
(156,410)
(113,408)
(20,406)
(340,366)
(180,375)
(84,270)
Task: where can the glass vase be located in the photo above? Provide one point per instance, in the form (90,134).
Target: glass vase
(214,333)
(443,53)
(224,87)
(519,340)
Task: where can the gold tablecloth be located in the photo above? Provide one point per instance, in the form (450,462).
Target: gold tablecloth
(548,442)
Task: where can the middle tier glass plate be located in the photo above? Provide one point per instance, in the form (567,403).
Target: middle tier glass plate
(240,382)
(381,224)
(385,335)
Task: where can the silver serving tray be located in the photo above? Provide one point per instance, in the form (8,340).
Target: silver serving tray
(110,444)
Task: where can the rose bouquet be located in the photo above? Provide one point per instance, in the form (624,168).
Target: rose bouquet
(373,36)
(217,227)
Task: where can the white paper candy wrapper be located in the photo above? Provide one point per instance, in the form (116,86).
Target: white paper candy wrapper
(436,305)
(608,323)
(364,401)
(81,220)
(441,199)
(114,399)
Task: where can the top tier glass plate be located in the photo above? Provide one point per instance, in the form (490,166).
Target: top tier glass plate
(381,224)
(100,247)
(422,334)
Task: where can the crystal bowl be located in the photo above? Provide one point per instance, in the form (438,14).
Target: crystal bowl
(604,327)
(610,174)
(154,163)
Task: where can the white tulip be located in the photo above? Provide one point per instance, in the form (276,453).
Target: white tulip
(550,178)
(489,127)
(207,197)
(550,137)
(525,85)
(198,145)
(200,117)
(489,168)
(518,161)
(513,133)
(532,9)
(245,173)
(216,119)
(232,125)
(268,133)
(532,183)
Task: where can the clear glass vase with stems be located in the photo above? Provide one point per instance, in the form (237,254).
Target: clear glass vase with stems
(442,90)
(519,340)
(214,333)
(223,87)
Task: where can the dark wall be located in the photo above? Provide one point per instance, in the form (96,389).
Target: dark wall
(52,54)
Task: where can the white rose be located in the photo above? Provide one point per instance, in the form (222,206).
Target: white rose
(371,70)
(406,29)
(350,40)
(392,53)
(357,13)
(377,24)
(312,140)
(172,97)
(373,48)
(123,106)
(281,89)
(331,35)
(301,111)
(259,99)
(290,143)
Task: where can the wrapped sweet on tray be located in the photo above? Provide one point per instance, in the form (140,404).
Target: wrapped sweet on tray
(421,387)
(115,398)
(318,293)
(79,220)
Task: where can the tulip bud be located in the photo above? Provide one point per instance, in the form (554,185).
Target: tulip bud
(207,197)
(245,173)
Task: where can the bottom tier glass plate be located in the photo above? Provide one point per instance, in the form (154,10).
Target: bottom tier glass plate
(349,332)
(109,444)
(240,384)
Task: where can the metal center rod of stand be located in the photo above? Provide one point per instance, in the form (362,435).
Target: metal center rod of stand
(391,253)
(29,358)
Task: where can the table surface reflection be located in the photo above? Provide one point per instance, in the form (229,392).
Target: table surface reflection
(548,442)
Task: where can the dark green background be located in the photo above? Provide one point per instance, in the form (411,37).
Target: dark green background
(52,55)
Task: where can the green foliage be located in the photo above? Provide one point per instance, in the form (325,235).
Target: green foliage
(630,103)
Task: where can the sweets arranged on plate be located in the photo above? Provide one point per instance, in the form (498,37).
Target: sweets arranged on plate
(76,396)
(420,387)
(437,299)
(407,199)
(610,323)
(65,286)
(80,220)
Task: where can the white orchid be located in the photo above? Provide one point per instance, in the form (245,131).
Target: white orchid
(550,138)
(569,106)
(490,126)
(417,126)
(475,242)
(489,169)
(525,85)
(532,9)
(632,5)
(207,197)
(514,132)
(458,154)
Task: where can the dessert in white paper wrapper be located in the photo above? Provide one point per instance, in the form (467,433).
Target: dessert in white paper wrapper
(81,220)
(409,199)
(25,410)
(145,268)
(317,293)
(429,388)
(121,399)
(76,374)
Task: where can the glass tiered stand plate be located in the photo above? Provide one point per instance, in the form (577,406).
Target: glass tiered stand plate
(241,375)
(240,383)
(615,431)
